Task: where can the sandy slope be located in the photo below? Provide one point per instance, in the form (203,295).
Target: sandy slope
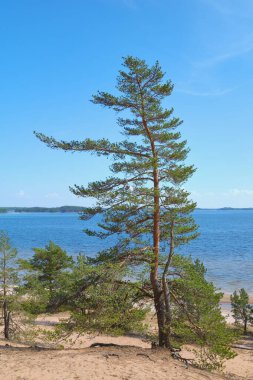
(134,361)
(97,363)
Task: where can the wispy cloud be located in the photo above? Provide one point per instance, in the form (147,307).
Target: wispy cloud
(202,70)
(217,92)
(235,51)
(230,41)
(220,6)
(130,3)
(241,9)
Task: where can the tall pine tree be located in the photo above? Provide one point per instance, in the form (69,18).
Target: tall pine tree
(143,202)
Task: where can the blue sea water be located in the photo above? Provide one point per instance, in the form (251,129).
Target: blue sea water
(225,244)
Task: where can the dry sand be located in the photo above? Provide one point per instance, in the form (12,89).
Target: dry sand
(134,360)
(96,363)
(226,298)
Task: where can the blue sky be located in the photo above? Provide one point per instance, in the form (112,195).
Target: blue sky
(56,53)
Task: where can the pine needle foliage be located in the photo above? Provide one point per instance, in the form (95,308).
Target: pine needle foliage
(196,314)
(241,309)
(100,301)
(45,276)
(143,202)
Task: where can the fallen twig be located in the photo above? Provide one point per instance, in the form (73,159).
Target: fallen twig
(242,346)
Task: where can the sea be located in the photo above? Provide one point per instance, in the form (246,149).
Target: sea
(225,244)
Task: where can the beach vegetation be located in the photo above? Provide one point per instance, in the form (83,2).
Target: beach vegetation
(196,314)
(241,309)
(13,317)
(45,277)
(101,301)
(8,282)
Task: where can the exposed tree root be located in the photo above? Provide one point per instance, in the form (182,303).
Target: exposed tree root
(187,362)
(109,345)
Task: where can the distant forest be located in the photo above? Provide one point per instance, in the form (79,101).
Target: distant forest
(41,209)
(63,209)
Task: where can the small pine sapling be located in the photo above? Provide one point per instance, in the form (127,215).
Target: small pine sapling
(241,309)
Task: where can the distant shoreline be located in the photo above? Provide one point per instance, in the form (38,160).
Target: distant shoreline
(62,209)
(65,209)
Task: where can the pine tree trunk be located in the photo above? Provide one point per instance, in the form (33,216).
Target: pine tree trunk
(6,315)
(157,289)
(160,313)
(166,291)
(245,327)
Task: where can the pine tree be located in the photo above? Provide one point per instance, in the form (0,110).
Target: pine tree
(241,309)
(8,281)
(44,277)
(99,300)
(143,202)
(196,314)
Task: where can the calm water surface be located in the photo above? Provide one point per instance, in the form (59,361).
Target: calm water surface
(225,244)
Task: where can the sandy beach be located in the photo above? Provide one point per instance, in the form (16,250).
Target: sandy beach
(90,364)
(226,298)
(131,359)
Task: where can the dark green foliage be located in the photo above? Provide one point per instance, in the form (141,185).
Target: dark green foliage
(96,295)
(101,301)
(241,309)
(196,313)
(46,276)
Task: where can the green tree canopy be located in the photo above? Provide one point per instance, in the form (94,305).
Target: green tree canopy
(45,275)
(241,309)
